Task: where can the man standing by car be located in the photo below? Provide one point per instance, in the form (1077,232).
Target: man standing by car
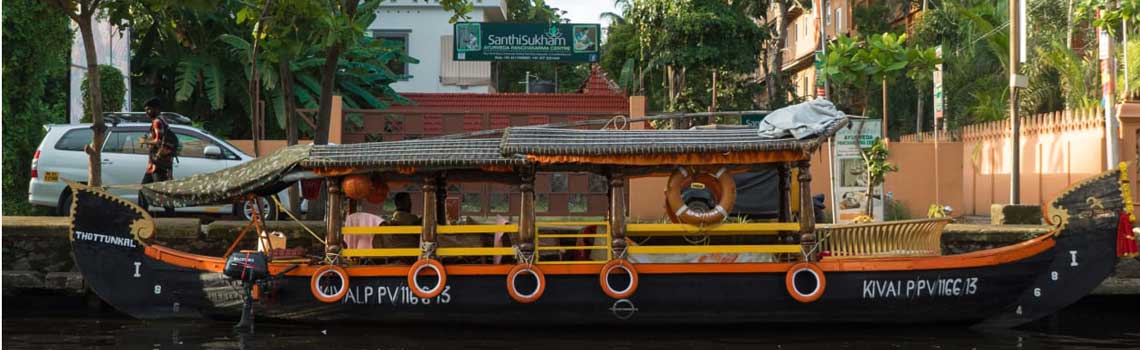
(163,145)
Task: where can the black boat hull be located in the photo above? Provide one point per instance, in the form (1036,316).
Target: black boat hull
(1005,287)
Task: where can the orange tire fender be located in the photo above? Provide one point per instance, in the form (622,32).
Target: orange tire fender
(513,275)
(806,293)
(420,266)
(603,279)
(314,285)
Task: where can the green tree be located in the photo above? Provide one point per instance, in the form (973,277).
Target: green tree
(341,27)
(114,90)
(776,84)
(38,40)
(920,68)
(876,168)
(81,12)
(679,48)
(879,58)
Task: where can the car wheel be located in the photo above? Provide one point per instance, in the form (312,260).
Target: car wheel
(266,205)
(63,206)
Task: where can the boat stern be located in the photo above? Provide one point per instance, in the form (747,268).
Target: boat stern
(107,236)
(1085,218)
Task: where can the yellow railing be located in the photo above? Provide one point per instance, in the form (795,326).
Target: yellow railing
(441,251)
(415,230)
(706,249)
(762,228)
(642,230)
(603,233)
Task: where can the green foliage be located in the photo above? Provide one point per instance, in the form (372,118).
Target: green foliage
(114,90)
(198,59)
(1109,19)
(855,67)
(1133,47)
(177,56)
(895,210)
(362,75)
(868,17)
(664,43)
(37,41)
(876,165)
(1077,76)
(882,56)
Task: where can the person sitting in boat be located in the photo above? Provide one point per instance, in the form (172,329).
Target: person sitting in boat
(402,217)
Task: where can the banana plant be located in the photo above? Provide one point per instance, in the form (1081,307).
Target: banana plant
(362,76)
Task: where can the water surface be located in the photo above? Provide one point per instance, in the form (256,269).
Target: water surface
(1094,323)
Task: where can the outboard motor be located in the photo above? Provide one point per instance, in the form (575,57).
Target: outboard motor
(248,267)
(251,268)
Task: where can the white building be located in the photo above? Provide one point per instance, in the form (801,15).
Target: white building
(422,25)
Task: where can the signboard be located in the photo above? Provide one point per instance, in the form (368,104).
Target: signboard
(752,120)
(553,42)
(938,106)
(850,186)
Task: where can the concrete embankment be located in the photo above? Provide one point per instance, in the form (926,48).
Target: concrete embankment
(37,255)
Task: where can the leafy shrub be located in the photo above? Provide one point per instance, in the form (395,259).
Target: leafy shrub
(113,88)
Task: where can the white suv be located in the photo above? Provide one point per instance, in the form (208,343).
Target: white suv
(60,156)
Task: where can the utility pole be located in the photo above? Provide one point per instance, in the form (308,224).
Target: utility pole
(1108,95)
(1015,80)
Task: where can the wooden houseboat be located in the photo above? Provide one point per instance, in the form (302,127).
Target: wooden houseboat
(783,270)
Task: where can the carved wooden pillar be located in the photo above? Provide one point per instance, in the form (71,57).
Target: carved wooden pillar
(526,215)
(335,215)
(427,235)
(807,211)
(618,242)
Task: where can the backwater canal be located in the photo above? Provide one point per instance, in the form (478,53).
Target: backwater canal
(1096,322)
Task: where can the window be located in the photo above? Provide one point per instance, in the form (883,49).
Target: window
(598,184)
(74,140)
(500,202)
(195,146)
(578,204)
(541,202)
(400,36)
(472,203)
(839,20)
(126,141)
(559,183)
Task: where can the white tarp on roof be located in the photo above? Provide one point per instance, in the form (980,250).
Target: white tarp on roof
(801,121)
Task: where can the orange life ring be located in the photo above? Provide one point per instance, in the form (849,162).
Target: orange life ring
(513,291)
(808,292)
(418,267)
(724,192)
(603,278)
(319,293)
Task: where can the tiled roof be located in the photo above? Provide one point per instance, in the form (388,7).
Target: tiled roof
(599,84)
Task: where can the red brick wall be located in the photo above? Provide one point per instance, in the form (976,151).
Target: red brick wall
(439,114)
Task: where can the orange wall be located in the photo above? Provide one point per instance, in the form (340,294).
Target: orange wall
(913,184)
